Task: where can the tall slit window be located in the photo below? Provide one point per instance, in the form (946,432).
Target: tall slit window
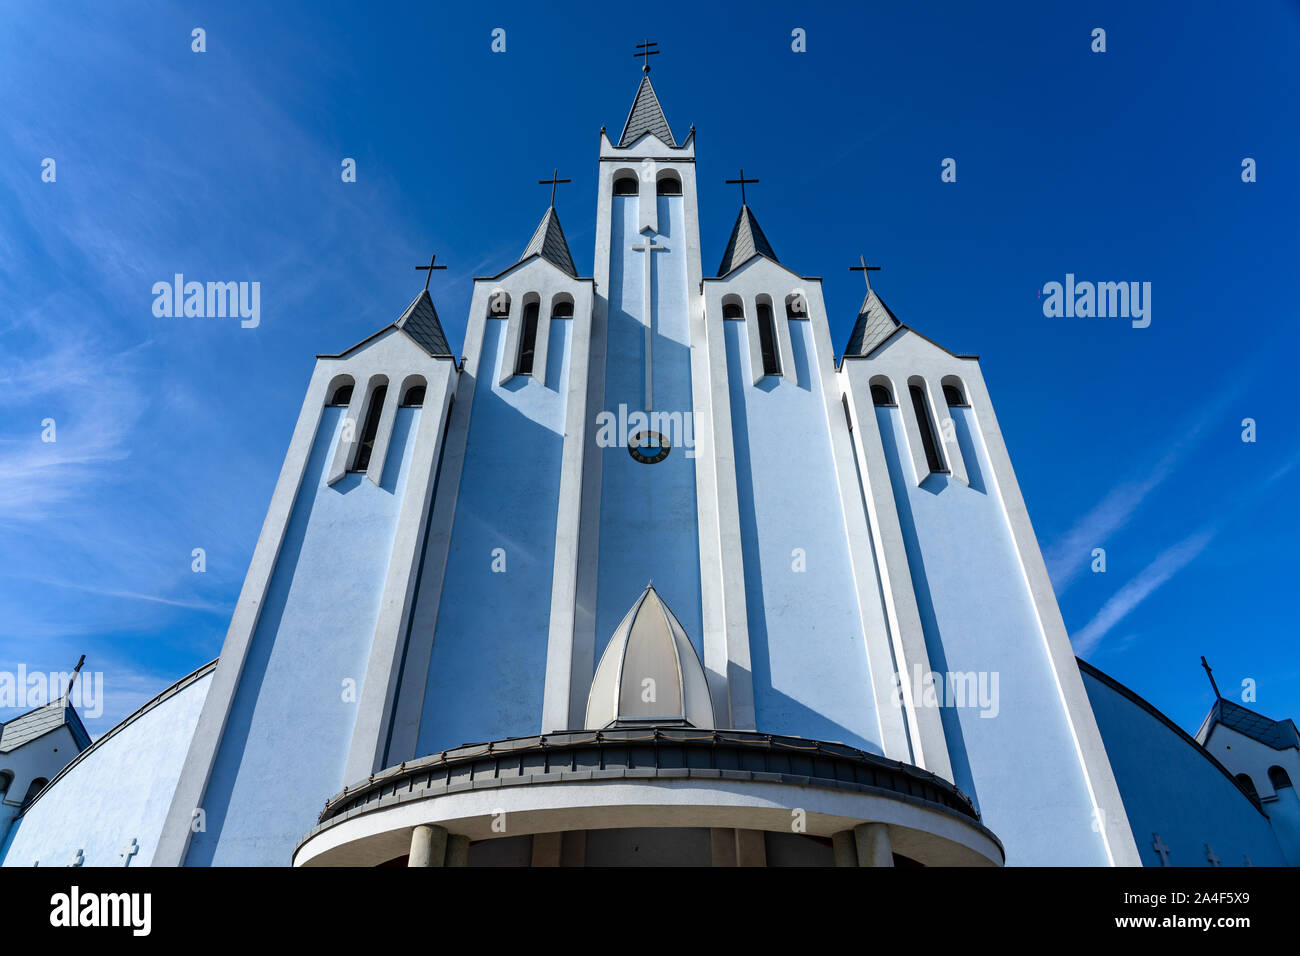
(881,396)
(767,340)
(371,429)
(932,459)
(1278,778)
(414,397)
(527,340)
(342,395)
(953,396)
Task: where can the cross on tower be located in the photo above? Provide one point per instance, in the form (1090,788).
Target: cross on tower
(1159,846)
(643,50)
(648,247)
(865,269)
(128,851)
(555,179)
(1210,674)
(1210,855)
(429,268)
(741,181)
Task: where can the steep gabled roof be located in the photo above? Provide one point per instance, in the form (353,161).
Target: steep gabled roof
(646,116)
(1278,734)
(41,721)
(747,240)
(875,324)
(549,243)
(420,322)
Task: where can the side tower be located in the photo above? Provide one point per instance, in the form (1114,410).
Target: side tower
(951,526)
(309,667)
(500,565)
(1264,756)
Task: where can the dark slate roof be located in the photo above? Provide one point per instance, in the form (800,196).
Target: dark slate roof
(548,242)
(420,322)
(875,324)
(41,721)
(747,240)
(1278,734)
(647,116)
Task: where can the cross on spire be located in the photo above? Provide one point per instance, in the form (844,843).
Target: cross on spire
(865,269)
(741,181)
(643,50)
(1210,674)
(429,268)
(552,182)
(73,679)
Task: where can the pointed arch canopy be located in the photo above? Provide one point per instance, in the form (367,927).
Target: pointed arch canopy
(649,673)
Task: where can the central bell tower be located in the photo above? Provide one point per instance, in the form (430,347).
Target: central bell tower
(641,516)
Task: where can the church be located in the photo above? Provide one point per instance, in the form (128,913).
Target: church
(650,575)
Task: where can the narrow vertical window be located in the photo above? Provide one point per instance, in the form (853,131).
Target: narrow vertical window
(767,340)
(927,430)
(371,430)
(527,340)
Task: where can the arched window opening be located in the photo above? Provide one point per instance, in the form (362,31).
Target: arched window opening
(626,186)
(669,185)
(562,308)
(1248,785)
(414,397)
(371,430)
(34,789)
(6,779)
(796,306)
(1279,778)
(932,459)
(499,304)
(881,396)
(767,340)
(342,396)
(953,396)
(732,309)
(527,340)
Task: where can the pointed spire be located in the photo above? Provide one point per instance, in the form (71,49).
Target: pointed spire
(549,243)
(420,322)
(747,240)
(875,324)
(646,116)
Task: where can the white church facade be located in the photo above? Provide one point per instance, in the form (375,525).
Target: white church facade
(652,575)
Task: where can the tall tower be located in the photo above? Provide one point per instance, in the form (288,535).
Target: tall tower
(309,666)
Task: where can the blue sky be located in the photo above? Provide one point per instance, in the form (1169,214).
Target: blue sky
(225,165)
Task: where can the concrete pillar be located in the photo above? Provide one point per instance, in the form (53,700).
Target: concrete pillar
(751,848)
(872,840)
(846,848)
(723,844)
(428,846)
(573,848)
(457,850)
(546,848)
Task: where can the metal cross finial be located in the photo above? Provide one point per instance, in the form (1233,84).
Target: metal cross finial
(73,679)
(555,178)
(742,180)
(430,267)
(643,50)
(865,269)
(1210,674)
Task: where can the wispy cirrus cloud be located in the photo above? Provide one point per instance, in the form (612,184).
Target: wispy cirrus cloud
(1069,555)
(1165,566)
